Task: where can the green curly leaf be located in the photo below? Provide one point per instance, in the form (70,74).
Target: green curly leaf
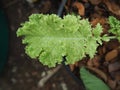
(49,38)
(114,26)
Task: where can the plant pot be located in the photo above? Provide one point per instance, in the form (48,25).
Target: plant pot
(3,40)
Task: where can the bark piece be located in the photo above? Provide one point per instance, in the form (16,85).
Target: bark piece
(111,55)
(80,7)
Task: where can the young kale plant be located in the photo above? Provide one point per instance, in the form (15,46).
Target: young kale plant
(114,27)
(49,38)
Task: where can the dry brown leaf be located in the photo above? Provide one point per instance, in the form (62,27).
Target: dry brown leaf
(111,55)
(98,72)
(114,8)
(80,7)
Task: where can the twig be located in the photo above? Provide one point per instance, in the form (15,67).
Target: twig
(48,76)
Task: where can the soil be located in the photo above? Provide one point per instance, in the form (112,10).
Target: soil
(21,72)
